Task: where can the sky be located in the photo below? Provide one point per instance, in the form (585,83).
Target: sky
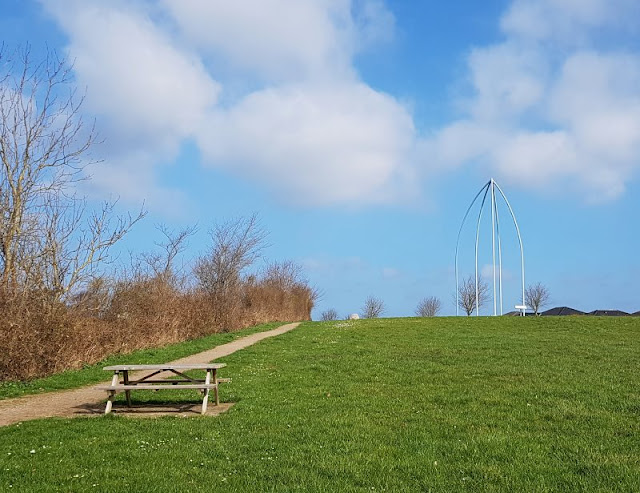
(361,130)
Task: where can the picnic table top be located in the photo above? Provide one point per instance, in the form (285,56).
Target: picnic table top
(167,366)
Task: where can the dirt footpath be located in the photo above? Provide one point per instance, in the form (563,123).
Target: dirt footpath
(89,401)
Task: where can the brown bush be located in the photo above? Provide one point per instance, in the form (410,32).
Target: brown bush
(39,338)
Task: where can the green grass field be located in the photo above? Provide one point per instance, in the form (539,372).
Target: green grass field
(445,404)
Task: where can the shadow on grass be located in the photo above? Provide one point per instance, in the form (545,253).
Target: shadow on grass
(155,408)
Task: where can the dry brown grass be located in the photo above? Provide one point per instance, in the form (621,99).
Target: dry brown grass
(39,337)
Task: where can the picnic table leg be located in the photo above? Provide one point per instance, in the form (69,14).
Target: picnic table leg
(127,392)
(215,390)
(205,399)
(112,393)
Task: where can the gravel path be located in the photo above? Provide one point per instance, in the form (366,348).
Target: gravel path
(88,400)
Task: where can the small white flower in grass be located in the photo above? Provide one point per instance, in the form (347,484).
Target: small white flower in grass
(32,451)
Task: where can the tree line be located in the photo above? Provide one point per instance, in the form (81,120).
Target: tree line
(468,299)
(64,301)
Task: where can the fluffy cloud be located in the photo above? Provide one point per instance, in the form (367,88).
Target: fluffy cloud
(268,90)
(138,82)
(300,122)
(284,39)
(566,21)
(547,108)
(279,39)
(329,144)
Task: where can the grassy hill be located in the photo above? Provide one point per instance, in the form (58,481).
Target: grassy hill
(445,404)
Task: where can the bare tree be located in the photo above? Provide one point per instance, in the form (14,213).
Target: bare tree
(329,314)
(428,307)
(373,307)
(536,296)
(467,294)
(236,245)
(284,275)
(162,264)
(48,242)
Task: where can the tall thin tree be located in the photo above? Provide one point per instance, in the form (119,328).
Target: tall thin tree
(50,240)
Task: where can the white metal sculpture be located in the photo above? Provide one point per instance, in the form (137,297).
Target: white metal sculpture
(489,189)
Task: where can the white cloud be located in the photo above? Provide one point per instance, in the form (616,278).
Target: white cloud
(321,145)
(547,109)
(284,39)
(509,79)
(142,84)
(300,123)
(147,94)
(277,38)
(268,91)
(131,177)
(566,21)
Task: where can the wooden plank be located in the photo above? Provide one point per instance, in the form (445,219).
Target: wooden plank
(215,391)
(120,387)
(205,399)
(172,381)
(166,366)
(112,394)
(126,382)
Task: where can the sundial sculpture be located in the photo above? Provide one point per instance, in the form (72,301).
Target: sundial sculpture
(489,190)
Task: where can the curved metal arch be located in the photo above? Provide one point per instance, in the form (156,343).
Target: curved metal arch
(484,199)
(458,241)
(491,185)
(515,222)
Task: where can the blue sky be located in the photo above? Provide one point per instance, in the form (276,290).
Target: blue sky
(360,130)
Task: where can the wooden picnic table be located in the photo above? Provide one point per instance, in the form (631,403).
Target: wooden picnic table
(148,382)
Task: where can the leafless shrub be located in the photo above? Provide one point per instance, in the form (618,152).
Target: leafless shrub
(235,246)
(428,307)
(329,314)
(162,264)
(95,299)
(278,289)
(536,296)
(373,307)
(467,294)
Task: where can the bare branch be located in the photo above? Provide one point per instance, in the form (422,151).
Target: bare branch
(175,242)
(428,307)
(236,245)
(329,314)
(536,296)
(373,307)
(46,244)
(467,294)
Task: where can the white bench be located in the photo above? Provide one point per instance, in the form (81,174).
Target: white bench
(147,381)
